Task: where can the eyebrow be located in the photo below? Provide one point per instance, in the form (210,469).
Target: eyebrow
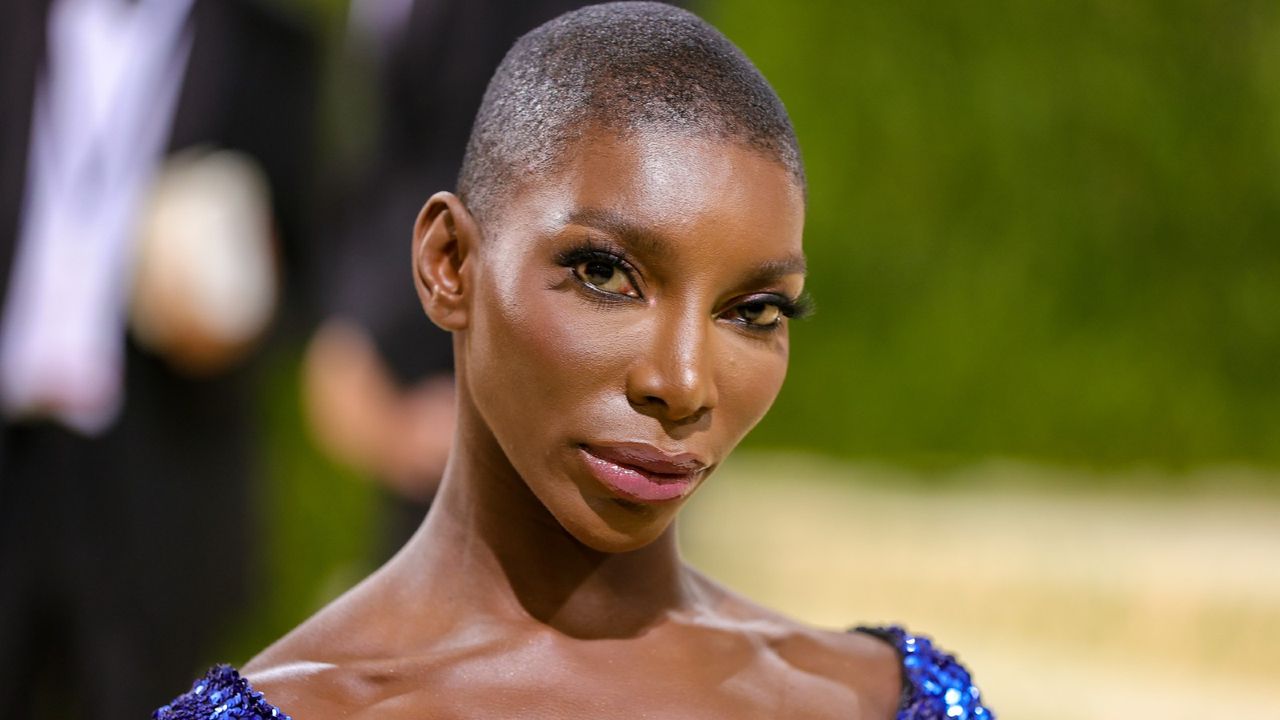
(637,237)
(644,240)
(772,271)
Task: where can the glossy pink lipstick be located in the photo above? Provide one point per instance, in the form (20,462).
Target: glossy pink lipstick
(642,473)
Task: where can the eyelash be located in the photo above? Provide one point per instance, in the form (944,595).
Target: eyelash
(796,309)
(588,252)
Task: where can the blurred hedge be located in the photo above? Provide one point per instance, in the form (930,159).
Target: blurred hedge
(1039,230)
(1044,230)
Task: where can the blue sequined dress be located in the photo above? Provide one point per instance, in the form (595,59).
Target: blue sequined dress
(934,687)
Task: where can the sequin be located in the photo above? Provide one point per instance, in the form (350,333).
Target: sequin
(935,686)
(220,695)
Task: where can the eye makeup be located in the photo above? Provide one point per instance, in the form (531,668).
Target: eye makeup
(746,312)
(590,256)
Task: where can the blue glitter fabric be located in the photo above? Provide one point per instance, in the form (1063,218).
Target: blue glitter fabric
(934,685)
(220,694)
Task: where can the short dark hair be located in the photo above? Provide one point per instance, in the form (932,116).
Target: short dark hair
(621,67)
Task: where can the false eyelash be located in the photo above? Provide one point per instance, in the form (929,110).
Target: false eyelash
(591,250)
(798,309)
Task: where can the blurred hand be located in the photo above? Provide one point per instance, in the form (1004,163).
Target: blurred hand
(363,419)
(205,284)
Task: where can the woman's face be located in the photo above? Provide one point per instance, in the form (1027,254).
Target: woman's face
(627,324)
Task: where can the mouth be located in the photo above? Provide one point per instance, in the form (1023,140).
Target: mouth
(642,473)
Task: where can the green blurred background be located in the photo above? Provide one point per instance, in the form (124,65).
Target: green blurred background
(1046,230)
(1041,230)
(1043,245)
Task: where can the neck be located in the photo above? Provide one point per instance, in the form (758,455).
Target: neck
(490,548)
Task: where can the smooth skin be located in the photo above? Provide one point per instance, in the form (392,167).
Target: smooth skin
(533,590)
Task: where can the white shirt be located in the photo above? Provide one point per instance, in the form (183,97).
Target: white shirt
(102,115)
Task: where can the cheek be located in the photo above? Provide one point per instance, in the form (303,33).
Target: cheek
(540,358)
(749,381)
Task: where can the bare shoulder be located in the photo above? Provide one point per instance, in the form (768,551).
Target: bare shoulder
(864,664)
(302,677)
(328,664)
(299,676)
(310,644)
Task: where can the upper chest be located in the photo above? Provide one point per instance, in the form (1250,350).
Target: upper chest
(536,679)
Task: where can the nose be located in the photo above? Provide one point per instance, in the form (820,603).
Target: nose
(673,377)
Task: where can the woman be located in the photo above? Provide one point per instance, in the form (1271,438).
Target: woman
(618,270)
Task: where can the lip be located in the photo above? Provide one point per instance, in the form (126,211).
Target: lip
(641,472)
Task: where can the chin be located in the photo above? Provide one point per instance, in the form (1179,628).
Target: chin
(617,526)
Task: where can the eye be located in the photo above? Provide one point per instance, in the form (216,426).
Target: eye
(758,313)
(764,312)
(606,275)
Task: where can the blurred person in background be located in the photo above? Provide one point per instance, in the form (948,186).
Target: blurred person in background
(153,173)
(377,377)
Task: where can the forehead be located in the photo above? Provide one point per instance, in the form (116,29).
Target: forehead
(719,197)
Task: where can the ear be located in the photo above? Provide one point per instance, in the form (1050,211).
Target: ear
(443,238)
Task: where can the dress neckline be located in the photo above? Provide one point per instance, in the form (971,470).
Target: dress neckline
(221,694)
(935,686)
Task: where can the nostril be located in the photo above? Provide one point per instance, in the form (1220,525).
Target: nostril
(671,386)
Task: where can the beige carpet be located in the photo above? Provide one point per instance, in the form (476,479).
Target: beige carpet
(1067,604)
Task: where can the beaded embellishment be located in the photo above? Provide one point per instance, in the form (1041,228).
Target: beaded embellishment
(935,686)
(220,695)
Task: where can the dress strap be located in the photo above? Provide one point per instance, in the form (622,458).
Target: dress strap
(220,695)
(935,686)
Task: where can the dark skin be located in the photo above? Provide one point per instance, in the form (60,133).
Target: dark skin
(634,295)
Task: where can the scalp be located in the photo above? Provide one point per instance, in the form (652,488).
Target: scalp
(621,67)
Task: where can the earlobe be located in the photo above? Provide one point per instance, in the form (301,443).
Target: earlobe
(444,236)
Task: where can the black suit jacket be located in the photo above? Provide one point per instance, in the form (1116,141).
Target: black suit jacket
(250,85)
(155,511)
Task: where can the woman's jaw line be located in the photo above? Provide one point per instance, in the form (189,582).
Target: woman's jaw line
(489,545)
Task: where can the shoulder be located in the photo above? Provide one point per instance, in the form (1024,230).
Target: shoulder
(862,663)
(270,692)
(934,683)
(892,672)
(346,656)
(306,670)
(309,689)
(860,667)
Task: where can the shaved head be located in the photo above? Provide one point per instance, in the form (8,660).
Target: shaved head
(621,67)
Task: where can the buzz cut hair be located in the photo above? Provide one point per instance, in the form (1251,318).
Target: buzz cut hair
(620,67)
